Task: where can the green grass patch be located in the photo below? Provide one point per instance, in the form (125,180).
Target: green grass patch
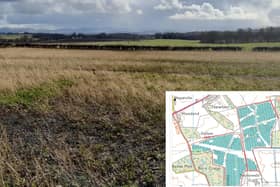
(15,36)
(158,42)
(30,96)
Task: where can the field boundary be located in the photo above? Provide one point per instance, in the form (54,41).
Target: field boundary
(123,47)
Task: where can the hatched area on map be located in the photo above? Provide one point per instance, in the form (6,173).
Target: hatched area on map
(222,139)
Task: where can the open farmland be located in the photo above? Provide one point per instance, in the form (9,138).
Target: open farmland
(90,118)
(144,45)
(15,36)
(185,43)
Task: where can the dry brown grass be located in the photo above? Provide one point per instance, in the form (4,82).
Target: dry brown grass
(119,70)
(114,107)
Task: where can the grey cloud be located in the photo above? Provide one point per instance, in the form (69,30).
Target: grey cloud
(137,15)
(71,6)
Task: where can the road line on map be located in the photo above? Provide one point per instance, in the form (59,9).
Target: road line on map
(190,150)
(190,105)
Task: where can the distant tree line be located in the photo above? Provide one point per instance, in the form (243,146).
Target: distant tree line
(177,35)
(75,37)
(78,37)
(270,34)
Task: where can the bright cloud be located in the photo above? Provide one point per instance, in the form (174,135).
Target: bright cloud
(207,12)
(233,10)
(169,4)
(139,12)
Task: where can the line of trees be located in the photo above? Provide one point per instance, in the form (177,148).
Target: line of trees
(75,37)
(177,35)
(90,37)
(270,34)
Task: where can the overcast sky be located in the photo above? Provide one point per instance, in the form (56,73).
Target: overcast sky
(137,15)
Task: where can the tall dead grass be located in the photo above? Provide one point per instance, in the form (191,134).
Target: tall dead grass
(131,87)
(97,70)
(129,79)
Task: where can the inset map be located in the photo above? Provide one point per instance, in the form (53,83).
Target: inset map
(223,139)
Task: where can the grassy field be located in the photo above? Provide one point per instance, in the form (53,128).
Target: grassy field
(87,118)
(14,36)
(187,43)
